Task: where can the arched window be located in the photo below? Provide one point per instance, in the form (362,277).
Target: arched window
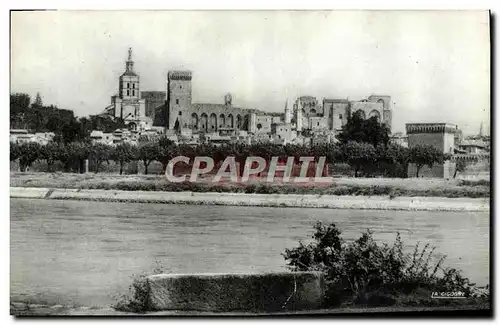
(204,120)
(375,114)
(361,113)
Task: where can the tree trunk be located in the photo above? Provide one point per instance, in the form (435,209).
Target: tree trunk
(82,166)
(418,170)
(121,168)
(66,167)
(455,174)
(145,168)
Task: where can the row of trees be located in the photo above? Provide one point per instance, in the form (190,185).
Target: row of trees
(363,158)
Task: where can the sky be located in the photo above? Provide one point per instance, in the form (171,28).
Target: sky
(434,64)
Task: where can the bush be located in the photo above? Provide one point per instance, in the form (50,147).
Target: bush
(28,153)
(364,272)
(137,299)
(480,182)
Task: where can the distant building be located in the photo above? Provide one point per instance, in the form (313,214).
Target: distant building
(400,139)
(474,146)
(23,136)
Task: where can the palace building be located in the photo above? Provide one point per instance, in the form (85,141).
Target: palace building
(175,111)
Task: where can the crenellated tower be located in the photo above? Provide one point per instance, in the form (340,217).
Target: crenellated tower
(178,98)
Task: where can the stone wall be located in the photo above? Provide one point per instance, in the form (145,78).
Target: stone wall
(446,170)
(269,292)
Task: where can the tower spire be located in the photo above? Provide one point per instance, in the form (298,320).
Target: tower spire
(130,54)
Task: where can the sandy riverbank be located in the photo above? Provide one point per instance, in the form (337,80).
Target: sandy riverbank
(267,200)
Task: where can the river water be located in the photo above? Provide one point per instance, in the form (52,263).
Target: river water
(83,252)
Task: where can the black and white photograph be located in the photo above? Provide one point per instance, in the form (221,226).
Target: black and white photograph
(241,163)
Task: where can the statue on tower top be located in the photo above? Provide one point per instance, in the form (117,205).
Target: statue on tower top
(129,64)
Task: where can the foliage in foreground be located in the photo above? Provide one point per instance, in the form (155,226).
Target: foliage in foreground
(364,272)
(137,298)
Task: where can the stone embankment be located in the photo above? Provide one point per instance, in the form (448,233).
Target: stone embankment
(266,292)
(264,200)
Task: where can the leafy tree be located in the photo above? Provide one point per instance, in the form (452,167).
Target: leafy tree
(99,153)
(397,154)
(76,130)
(19,103)
(57,119)
(124,153)
(80,151)
(164,141)
(359,155)
(361,130)
(167,150)
(15,151)
(29,152)
(422,155)
(393,159)
(73,152)
(19,106)
(147,152)
(65,155)
(461,165)
(50,152)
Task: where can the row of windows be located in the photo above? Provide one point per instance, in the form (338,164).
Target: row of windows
(128,92)
(133,85)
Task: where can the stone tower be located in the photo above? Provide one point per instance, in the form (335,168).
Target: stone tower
(288,115)
(178,98)
(299,119)
(127,105)
(439,135)
(129,81)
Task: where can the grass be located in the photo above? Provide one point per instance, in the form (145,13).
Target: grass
(392,187)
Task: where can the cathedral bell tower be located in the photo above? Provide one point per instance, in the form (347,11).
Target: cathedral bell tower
(129,81)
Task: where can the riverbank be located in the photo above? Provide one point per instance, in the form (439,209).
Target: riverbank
(391,187)
(261,200)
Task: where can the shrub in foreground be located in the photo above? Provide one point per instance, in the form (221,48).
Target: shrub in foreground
(137,298)
(364,272)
